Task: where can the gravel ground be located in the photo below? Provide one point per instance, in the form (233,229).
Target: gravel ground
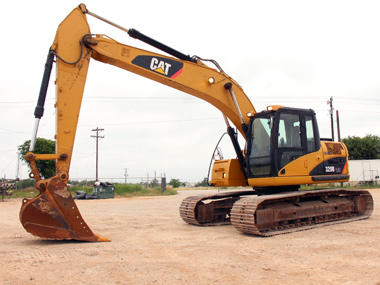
(151,244)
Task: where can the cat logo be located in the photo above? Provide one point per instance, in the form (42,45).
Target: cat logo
(161,65)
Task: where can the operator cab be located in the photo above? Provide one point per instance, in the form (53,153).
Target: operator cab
(277,137)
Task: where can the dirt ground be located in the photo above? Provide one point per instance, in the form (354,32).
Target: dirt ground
(151,244)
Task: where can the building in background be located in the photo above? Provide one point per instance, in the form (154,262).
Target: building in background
(364,171)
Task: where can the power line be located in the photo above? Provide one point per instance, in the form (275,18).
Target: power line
(114,124)
(359,111)
(141,97)
(156,122)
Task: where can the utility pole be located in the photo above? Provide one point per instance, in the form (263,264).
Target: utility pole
(97,137)
(329,102)
(18,165)
(338,125)
(125,175)
(18,168)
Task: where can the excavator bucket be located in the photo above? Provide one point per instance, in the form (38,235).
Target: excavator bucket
(53,214)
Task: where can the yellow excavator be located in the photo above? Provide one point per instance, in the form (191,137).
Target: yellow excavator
(282,150)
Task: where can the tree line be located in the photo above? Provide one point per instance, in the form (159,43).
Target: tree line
(367,147)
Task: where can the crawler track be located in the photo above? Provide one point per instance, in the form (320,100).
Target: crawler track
(285,213)
(277,214)
(210,210)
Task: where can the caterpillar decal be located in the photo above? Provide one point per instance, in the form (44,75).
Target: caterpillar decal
(162,65)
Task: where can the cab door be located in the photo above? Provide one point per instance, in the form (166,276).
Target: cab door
(259,147)
(290,147)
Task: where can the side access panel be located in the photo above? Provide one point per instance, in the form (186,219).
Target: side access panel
(227,173)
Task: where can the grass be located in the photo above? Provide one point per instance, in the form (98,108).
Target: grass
(134,190)
(121,190)
(128,190)
(345,186)
(25,193)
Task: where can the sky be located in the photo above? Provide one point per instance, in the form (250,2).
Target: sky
(291,53)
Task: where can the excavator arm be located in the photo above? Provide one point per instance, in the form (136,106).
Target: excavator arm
(53,214)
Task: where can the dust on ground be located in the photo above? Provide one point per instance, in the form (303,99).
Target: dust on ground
(151,244)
